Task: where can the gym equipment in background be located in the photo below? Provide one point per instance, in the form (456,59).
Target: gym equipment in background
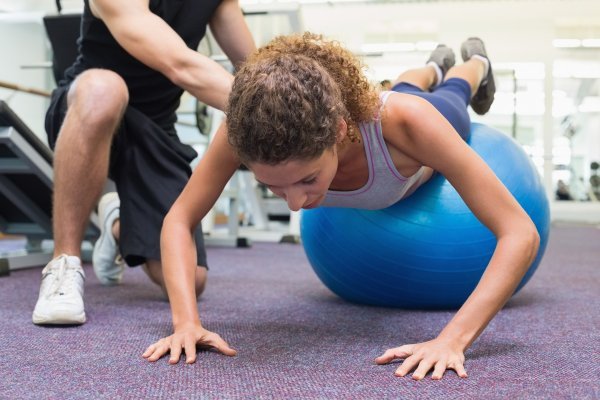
(26,192)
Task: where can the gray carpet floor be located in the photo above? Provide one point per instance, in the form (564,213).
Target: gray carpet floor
(296,340)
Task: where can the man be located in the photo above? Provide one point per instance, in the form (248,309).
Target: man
(113,115)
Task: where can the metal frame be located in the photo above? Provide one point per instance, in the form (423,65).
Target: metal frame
(22,154)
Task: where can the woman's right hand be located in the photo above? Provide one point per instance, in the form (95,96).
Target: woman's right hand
(186,338)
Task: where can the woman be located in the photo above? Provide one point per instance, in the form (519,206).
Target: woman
(306,121)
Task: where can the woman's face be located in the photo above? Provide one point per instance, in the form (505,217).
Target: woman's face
(301,183)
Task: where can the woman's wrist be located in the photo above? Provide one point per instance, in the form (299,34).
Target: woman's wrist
(181,323)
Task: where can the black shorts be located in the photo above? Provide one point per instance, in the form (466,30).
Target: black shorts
(150,167)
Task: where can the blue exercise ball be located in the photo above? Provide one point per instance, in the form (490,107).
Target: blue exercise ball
(429,250)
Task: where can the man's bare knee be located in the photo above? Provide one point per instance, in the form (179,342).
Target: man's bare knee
(201,276)
(99,97)
(154,271)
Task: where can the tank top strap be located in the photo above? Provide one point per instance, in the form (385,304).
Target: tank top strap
(383,96)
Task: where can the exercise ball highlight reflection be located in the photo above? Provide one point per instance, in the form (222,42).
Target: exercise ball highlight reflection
(429,250)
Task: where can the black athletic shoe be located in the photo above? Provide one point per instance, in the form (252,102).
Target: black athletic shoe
(483,99)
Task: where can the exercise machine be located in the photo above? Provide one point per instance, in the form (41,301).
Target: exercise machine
(26,181)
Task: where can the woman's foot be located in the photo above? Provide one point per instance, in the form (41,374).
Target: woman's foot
(484,97)
(442,59)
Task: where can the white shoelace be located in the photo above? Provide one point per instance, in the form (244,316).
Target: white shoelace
(60,276)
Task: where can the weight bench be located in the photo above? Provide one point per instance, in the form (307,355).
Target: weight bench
(26,182)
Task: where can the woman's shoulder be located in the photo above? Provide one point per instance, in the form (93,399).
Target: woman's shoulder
(404,104)
(397,110)
(402,112)
(393,117)
(403,108)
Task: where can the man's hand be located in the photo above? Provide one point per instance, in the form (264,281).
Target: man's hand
(186,338)
(437,354)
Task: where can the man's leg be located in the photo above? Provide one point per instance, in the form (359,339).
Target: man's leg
(433,73)
(149,177)
(95,103)
(109,266)
(153,269)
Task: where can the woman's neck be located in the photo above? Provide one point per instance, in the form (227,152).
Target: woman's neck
(352,171)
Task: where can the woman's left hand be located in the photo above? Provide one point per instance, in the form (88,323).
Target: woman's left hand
(435,354)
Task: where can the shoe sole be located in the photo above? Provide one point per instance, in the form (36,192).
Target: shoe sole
(105,203)
(59,319)
(482,101)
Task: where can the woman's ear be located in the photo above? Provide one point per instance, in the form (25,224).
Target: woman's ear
(342,130)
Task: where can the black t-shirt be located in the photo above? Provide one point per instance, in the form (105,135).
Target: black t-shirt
(149,91)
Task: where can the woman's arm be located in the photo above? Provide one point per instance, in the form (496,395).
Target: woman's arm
(215,169)
(178,251)
(418,130)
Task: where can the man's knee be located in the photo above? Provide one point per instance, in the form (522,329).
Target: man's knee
(201,276)
(99,97)
(153,269)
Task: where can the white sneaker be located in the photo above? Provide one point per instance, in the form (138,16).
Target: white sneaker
(108,266)
(61,293)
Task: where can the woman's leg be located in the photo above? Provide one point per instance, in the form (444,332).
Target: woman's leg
(424,78)
(452,97)
(471,71)
(477,72)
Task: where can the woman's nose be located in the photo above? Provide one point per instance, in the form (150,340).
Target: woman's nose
(295,199)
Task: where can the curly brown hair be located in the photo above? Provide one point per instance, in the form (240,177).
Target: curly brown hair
(288,98)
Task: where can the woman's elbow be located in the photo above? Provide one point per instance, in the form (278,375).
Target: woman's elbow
(169,225)
(166,226)
(531,238)
(177,222)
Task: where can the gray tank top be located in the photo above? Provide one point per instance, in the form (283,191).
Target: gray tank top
(385,185)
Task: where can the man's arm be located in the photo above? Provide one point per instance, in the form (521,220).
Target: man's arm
(229,28)
(152,41)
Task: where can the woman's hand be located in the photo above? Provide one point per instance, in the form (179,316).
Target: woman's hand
(186,338)
(437,354)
